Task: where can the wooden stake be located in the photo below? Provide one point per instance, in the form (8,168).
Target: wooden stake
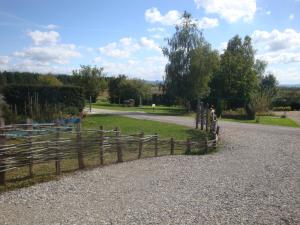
(156,147)
(172,146)
(79,147)
(2,152)
(101,153)
(57,151)
(119,146)
(141,145)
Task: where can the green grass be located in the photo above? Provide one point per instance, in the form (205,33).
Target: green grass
(133,126)
(159,110)
(18,178)
(268,120)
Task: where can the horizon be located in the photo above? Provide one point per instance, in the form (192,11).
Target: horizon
(125,38)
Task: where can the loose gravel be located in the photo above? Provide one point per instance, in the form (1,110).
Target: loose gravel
(253,179)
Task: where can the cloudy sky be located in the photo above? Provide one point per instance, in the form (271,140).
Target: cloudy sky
(125,37)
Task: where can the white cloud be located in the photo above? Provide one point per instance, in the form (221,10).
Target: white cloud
(276,40)
(150,68)
(51,26)
(153,15)
(28,65)
(291,16)
(231,11)
(123,49)
(206,22)
(156,29)
(60,54)
(44,38)
(148,43)
(98,60)
(280,57)
(290,75)
(268,12)
(4,60)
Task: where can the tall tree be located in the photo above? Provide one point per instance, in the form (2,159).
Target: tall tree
(180,50)
(91,79)
(236,80)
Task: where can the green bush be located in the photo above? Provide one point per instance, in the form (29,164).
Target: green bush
(43,102)
(238,113)
(282,108)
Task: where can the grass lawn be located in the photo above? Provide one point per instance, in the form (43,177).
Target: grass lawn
(160,110)
(268,120)
(134,126)
(18,178)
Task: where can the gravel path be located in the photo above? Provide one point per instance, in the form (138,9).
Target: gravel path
(254,179)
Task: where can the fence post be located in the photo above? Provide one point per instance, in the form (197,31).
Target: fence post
(206,145)
(30,128)
(141,145)
(79,147)
(156,148)
(119,146)
(101,153)
(172,146)
(188,146)
(2,152)
(202,115)
(197,113)
(57,153)
(207,117)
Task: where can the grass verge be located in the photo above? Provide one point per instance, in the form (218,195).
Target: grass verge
(159,110)
(268,120)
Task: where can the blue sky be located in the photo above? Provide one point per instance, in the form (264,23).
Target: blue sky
(125,37)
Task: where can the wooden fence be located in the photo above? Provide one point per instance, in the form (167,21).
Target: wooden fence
(207,119)
(107,146)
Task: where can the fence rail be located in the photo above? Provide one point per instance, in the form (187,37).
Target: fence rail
(107,146)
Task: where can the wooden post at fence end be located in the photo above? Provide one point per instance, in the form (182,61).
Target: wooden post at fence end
(197,113)
(57,153)
(101,152)
(79,147)
(206,145)
(30,156)
(119,145)
(188,146)
(207,117)
(2,153)
(141,145)
(172,146)
(202,115)
(156,147)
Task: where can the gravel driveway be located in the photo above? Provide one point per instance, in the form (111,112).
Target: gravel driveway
(253,179)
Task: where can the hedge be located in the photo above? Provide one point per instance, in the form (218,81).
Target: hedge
(25,96)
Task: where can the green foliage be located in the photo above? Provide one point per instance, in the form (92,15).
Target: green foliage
(91,79)
(49,80)
(187,73)
(236,80)
(121,88)
(42,102)
(288,97)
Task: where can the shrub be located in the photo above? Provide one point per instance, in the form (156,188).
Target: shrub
(238,113)
(43,102)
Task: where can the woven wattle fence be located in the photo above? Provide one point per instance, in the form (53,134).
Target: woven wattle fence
(46,143)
